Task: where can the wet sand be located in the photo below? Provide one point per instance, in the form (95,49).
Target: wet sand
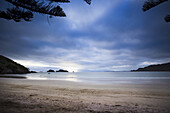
(19,77)
(45,96)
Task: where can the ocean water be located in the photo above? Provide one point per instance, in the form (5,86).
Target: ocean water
(104,77)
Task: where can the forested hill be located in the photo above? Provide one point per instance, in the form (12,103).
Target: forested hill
(8,66)
(158,67)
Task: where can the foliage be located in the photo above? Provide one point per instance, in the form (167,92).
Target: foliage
(23,9)
(152,3)
(8,66)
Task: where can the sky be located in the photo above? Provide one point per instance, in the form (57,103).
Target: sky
(108,35)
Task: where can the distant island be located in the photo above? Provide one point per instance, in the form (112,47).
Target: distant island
(158,67)
(33,72)
(60,70)
(8,66)
(50,70)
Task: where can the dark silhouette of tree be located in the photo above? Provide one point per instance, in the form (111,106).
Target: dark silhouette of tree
(152,3)
(23,9)
(167,18)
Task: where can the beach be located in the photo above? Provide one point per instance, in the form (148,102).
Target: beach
(56,96)
(84,56)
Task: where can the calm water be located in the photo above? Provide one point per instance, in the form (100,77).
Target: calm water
(105,77)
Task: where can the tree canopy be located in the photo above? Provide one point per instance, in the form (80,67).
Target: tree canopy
(23,9)
(152,3)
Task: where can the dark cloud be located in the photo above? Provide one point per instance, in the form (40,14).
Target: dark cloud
(109,35)
(144,33)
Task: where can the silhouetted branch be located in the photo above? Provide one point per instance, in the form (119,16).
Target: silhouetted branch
(64,1)
(152,3)
(40,7)
(167,18)
(88,1)
(16,14)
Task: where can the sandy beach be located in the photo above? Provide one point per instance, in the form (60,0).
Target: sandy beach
(52,96)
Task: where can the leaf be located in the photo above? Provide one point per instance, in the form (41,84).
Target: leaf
(88,1)
(64,1)
(16,14)
(39,7)
(167,18)
(152,3)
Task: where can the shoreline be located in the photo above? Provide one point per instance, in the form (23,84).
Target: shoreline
(8,76)
(164,79)
(23,95)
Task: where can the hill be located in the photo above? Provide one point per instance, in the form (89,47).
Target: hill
(8,66)
(61,70)
(158,67)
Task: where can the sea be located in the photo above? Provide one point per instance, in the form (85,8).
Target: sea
(103,77)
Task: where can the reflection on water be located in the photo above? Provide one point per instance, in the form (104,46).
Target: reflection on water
(36,78)
(72,78)
(69,77)
(105,77)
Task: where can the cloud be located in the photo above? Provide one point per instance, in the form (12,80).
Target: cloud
(81,16)
(106,36)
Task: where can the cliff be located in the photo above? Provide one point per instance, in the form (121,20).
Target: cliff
(8,66)
(158,67)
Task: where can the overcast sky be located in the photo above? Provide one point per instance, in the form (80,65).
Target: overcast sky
(108,35)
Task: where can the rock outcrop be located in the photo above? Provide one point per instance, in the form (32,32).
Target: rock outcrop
(32,72)
(50,70)
(61,70)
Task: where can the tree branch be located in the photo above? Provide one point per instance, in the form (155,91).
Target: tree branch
(167,18)
(16,14)
(40,7)
(152,3)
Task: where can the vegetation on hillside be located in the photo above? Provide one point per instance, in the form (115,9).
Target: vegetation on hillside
(8,66)
(158,67)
